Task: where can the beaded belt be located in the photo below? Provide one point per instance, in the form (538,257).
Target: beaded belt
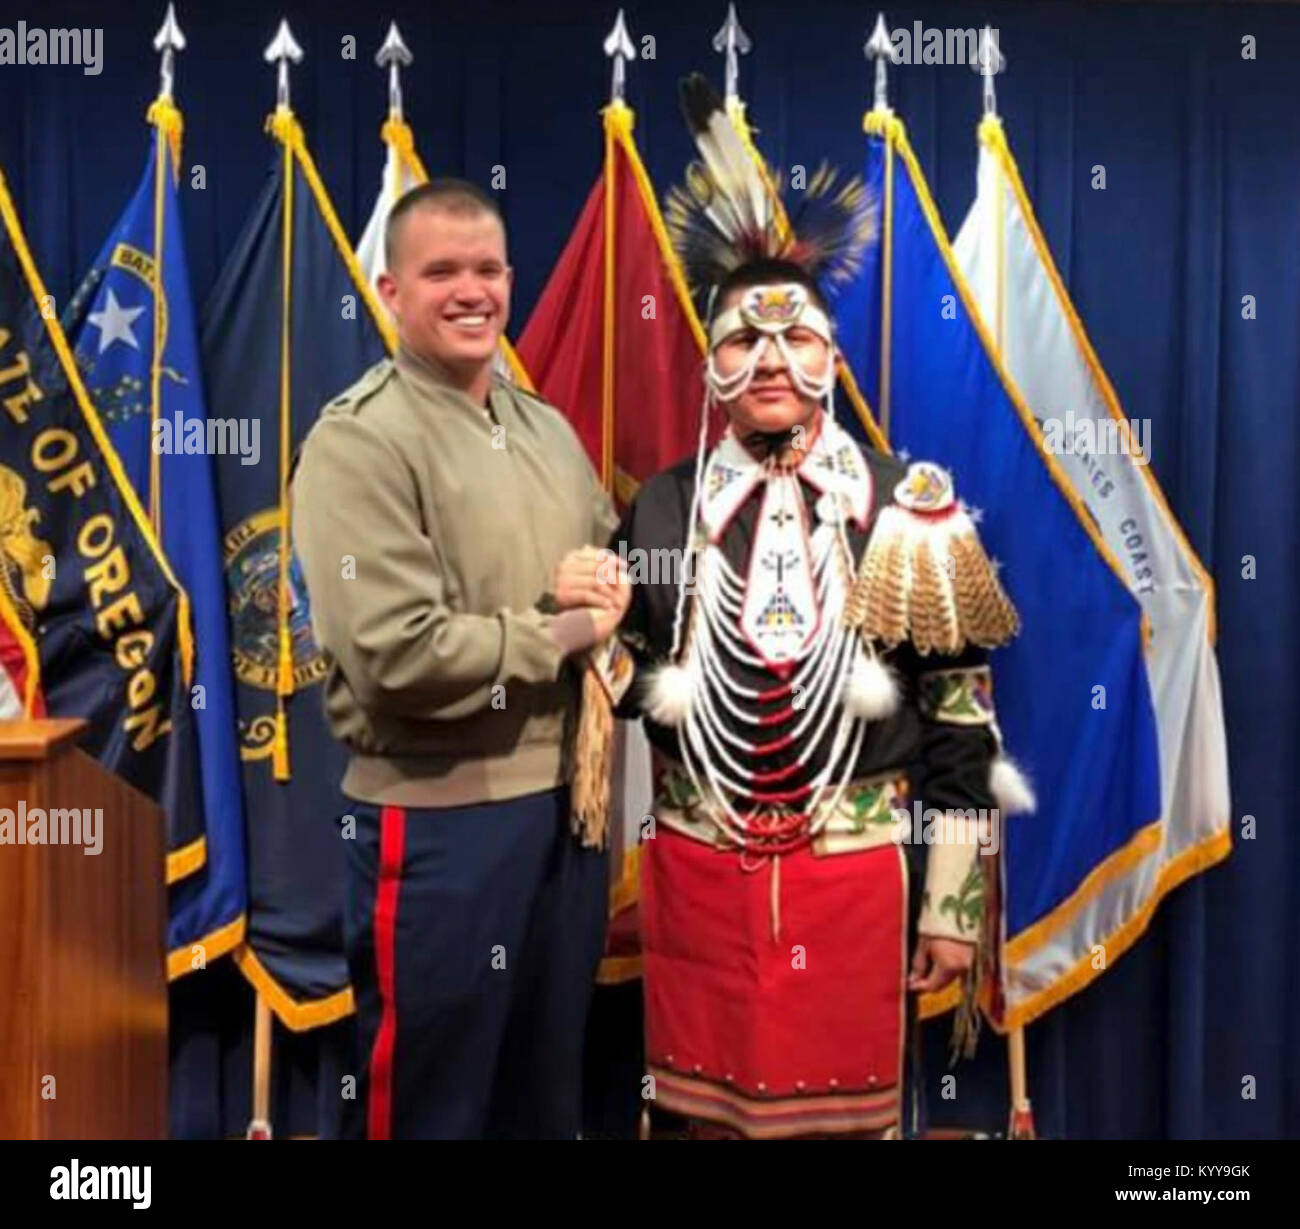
(863,818)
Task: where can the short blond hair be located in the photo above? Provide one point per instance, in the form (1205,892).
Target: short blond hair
(456,196)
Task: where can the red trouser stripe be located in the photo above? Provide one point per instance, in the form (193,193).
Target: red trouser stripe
(392,842)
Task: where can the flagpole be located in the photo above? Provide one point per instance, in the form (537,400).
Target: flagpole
(989,61)
(259,1126)
(281,51)
(166,120)
(880,50)
(607,320)
(618,47)
(395,55)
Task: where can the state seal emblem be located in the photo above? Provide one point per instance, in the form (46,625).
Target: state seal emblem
(22,553)
(252,559)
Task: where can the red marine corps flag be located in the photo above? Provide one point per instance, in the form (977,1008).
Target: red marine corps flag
(615,343)
(614,340)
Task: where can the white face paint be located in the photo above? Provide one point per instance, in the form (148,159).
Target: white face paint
(769,314)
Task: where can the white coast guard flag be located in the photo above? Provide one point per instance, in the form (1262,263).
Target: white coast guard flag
(402,171)
(1001,250)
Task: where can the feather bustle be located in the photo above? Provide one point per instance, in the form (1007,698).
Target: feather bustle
(986,612)
(903,592)
(931,628)
(893,598)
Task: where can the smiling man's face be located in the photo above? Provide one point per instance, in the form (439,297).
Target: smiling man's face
(771,403)
(449,285)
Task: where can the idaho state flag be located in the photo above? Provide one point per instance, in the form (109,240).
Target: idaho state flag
(615,343)
(84,580)
(133,325)
(290,324)
(1073,698)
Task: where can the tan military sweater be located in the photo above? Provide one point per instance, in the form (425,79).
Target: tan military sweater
(428,527)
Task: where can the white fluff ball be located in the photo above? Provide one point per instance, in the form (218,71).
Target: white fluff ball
(669,698)
(1011,788)
(870,692)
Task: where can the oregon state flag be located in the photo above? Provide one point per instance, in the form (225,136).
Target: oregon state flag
(102,623)
(290,324)
(1042,344)
(1073,697)
(615,343)
(132,324)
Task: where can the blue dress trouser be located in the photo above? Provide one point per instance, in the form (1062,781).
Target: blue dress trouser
(473,936)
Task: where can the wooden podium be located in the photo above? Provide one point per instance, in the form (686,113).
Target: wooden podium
(83,996)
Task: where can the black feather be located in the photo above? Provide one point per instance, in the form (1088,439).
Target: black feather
(724,215)
(833,223)
(699,101)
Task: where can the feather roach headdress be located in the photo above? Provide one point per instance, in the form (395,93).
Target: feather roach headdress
(724,216)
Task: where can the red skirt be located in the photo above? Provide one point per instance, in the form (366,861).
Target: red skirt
(774,986)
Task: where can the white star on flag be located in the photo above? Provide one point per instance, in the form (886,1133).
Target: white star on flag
(114,323)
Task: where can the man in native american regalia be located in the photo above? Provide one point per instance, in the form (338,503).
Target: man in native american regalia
(817,667)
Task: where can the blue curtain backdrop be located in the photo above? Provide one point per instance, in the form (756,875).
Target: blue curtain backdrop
(1200,209)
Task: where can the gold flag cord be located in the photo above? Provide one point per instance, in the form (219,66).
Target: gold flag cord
(887,289)
(284,671)
(156,115)
(607,311)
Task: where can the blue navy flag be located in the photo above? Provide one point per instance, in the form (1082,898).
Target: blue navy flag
(1073,697)
(277,349)
(132,324)
(81,566)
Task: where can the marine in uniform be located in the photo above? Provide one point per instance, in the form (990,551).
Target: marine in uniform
(445,521)
(816,690)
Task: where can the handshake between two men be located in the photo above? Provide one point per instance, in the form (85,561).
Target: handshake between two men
(591,591)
